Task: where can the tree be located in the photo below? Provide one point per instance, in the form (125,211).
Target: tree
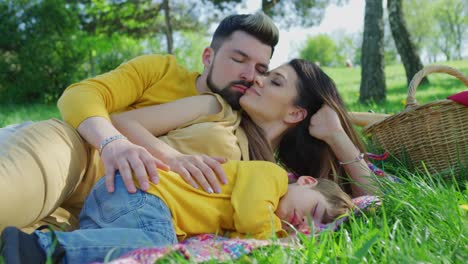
(288,13)
(437,26)
(297,12)
(346,48)
(320,48)
(141,19)
(419,16)
(168,28)
(402,38)
(189,48)
(372,59)
(390,50)
(41,59)
(451,18)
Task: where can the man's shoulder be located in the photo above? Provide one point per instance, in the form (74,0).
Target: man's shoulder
(161,64)
(153,58)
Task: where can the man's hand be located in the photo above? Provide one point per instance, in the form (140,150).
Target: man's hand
(200,169)
(126,157)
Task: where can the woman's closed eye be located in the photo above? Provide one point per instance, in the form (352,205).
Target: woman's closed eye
(275,82)
(239,60)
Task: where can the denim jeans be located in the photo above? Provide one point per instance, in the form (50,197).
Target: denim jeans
(112,224)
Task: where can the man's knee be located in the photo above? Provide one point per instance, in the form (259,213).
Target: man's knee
(41,165)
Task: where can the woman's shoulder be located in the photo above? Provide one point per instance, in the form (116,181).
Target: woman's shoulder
(219,109)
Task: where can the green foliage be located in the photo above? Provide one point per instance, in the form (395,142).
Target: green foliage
(139,19)
(420,220)
(437,27)
(49,44)
(190,49)
(390,50)
(40,59)
(303,13)
(286,13)
(18,113)
(133,18)
(441,86)
(348,47)
(452,22)
(320,48)
(106,53)
(345,50)
(346,79)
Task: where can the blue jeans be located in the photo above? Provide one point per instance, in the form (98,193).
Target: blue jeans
(112,224)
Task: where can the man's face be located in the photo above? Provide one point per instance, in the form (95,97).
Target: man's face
(235,65)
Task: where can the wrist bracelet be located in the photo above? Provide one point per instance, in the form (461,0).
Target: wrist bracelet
(109,140)
(357,159)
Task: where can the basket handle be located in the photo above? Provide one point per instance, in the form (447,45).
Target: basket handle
(411,99)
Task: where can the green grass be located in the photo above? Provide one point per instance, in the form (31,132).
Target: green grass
(420,220)
(441,85)
(16,113)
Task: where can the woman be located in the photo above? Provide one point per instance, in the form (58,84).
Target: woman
(294,113)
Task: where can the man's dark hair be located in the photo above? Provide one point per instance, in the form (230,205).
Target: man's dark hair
(258,25)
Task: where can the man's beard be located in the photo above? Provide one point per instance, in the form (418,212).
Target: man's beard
(231,96)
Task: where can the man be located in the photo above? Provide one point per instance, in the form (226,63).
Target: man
(240,49)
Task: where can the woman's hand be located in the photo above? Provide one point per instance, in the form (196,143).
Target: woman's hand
(325,124)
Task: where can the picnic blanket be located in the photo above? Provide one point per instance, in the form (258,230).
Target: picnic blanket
(207,247)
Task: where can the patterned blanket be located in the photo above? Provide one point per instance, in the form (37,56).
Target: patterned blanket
(211,247)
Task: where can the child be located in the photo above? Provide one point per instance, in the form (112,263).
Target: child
(253,204)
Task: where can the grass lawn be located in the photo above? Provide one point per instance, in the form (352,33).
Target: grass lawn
(421,220)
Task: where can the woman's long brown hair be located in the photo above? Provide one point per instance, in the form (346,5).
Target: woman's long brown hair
(298,151)
(259,147)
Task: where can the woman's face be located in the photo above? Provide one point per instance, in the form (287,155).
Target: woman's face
(271,97)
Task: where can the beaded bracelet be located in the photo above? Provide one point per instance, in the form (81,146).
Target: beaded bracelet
(357,159)
(109,140)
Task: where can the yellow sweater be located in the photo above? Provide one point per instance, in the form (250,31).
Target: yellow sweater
(145,80)
(213,135)
(245,208)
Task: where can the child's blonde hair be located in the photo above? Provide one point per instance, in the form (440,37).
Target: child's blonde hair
(340,202)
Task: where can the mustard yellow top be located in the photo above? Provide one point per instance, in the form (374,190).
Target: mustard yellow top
(245,208)
(216,135)
(143,81)
(213,135)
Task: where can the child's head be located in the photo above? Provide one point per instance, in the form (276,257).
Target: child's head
(320,200)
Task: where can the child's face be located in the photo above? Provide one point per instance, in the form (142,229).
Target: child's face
(302,202)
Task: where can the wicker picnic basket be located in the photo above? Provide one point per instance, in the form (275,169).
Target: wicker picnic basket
(432,135)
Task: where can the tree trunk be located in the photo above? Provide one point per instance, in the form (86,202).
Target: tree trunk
(168,31)
(372,58)
(405,47)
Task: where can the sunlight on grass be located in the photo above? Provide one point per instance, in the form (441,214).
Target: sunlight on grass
(421,220)
(441,85)
(13,114)
(346,79)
